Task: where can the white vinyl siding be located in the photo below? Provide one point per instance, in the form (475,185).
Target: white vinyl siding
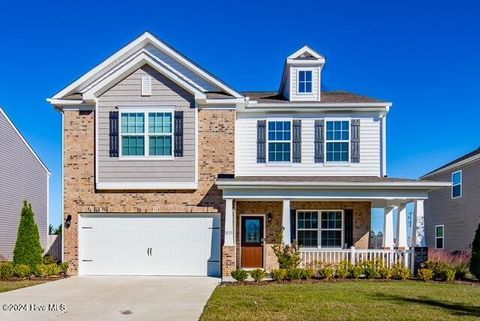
(295,94)
(246,149)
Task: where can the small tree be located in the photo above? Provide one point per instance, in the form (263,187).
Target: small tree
(288,256)
(475,260)
(27,248)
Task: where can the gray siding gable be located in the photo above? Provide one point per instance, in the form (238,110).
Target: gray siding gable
(23,176)
(165,93)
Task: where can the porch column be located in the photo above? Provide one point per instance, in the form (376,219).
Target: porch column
(418,233)
(402,227)
(388,228)
(229,219)
(286,222)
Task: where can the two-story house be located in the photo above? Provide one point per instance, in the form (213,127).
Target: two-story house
(170,171)
(452,215)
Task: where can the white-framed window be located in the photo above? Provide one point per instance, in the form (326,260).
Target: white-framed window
(320,229)
(457,184)
(279,134)
(305,82)
(146,133)
(439,237)
(337,134)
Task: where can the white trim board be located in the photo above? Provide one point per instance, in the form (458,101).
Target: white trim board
(146,186)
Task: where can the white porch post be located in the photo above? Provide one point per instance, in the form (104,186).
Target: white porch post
(286,222)
(418,233)
(388,228)
(402,227)
(229,223)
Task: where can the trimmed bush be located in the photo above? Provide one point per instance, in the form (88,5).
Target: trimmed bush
(294,274)
(385,272)
(258,275)
(370,269)
(326,272)
(356,271)
(6,270)
(22,270)
(53,269)
(240,275)
(278,275)
(425,274)
(342,270)
(308,273)
(475,260)
(63,267)
(47,259)
(27,248)
(400,272)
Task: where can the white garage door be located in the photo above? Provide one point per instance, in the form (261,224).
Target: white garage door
(149,244)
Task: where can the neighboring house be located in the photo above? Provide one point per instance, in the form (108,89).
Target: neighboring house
(169,170)
(452,214)
(23,176)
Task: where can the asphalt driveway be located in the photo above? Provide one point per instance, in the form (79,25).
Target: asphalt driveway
(110,298)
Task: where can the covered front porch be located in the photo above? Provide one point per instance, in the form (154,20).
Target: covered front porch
(329,220)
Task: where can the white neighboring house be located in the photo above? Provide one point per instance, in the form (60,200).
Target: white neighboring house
(23,176)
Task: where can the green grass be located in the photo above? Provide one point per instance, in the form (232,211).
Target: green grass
(13,285)
(348,300)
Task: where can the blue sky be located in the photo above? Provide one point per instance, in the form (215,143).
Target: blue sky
(421,55)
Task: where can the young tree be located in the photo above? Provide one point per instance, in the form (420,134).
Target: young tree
(475,260)
(28,249)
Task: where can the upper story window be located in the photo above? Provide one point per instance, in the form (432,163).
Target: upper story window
(328,233)
(279,141)
(338,141)
(457,184)
(146,134)
(305,81)
(439,237)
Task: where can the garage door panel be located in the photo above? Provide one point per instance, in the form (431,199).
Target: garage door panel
(180,245)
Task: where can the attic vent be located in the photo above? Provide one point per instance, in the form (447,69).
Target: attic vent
(146,86)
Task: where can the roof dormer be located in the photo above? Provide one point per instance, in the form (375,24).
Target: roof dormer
(302,74)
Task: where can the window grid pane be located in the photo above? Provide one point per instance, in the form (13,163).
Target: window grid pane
(338,137)
(305,81)
(160,123)
(133,145)
(133,123)
(160,145)
(331,238)
(279,136)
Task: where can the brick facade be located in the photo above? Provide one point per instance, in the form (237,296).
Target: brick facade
(361,223)
(215,156)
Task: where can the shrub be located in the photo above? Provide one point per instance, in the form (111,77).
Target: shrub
(425,274)
(63,267)
(370,269)
(308,273)
(326,272)
(27,247)
(384,272)
(41,270)
(288,256)
(53,269)
(400,272)
(450,275)
(47,259)
(278,275)
(294,274)
(356,271)
(22,270)
(441,270)
(6,270)
(342,270)
(257,274)
(475,260)
(240,275)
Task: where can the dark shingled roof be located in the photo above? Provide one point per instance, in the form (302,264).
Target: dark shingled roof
(321,179)
(462,158)
(327,97)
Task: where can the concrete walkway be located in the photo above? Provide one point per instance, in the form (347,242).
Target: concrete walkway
(110,298)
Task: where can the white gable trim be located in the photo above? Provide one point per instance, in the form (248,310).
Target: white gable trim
(140,60)
(309,50)
(133,46)
(24,140)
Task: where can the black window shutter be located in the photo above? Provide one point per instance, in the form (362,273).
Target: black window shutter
(348,223)
(261,141)
(178,135)
(293,225)
(114,134)
(355,129)
(297,141)
(319,141)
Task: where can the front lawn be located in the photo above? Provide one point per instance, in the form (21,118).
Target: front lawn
(347,300)
(13,285)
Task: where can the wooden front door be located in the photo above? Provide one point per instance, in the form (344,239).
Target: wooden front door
(252,241)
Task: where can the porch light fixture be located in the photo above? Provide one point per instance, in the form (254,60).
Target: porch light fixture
(269,217)
(68,221)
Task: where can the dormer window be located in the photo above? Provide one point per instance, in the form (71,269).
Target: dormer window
(305,81)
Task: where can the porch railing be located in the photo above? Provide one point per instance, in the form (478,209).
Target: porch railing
(389,257)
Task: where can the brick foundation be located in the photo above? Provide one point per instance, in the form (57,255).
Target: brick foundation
(229,260)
